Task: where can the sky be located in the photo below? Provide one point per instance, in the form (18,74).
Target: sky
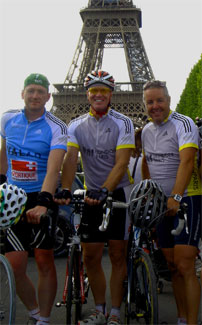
(41,36)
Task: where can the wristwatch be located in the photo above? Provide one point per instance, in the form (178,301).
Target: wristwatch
(177,197)
(104,190)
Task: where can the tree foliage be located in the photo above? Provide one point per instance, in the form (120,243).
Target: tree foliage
(190,103)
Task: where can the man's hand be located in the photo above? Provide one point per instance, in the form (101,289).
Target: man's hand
(63,197)
(173,206)
(95,197)
(34,215)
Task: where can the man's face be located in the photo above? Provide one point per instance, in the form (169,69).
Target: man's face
(99,98)
(157,104)
(35,97)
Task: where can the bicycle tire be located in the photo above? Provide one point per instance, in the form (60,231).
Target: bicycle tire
(8,293)
(73,303)
(142,301)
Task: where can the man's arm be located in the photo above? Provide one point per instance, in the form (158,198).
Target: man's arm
(69,167)
(55,160)
(121,164)
(187,158)
(68,173)
(119,169)
(145,169)
(200,167)
(3,157)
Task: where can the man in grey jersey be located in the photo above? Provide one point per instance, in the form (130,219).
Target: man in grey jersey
(170,145)
(105,139)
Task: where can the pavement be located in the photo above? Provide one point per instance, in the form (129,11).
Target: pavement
(167,307)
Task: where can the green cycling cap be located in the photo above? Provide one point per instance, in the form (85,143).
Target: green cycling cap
(37,79)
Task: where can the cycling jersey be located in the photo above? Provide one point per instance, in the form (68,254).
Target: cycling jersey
(98,141)
(28,145)
(162,144)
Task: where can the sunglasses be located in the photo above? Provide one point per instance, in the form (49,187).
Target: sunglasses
(102,91)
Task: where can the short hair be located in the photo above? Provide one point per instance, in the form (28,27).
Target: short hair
(156,84)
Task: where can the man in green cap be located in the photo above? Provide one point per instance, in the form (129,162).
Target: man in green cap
(33,144)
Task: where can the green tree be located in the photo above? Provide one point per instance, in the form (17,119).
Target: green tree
(190,103)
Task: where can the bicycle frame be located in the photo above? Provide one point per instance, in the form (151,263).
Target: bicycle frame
(81,270)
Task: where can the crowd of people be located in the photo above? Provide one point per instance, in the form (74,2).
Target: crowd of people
(35,146)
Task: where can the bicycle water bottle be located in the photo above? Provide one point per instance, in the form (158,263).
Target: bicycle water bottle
(77,220)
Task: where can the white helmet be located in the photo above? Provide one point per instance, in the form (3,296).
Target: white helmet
(12,204)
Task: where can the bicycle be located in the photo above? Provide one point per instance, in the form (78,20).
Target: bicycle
(12,203)
(76,285)
(8,293)
(141,297)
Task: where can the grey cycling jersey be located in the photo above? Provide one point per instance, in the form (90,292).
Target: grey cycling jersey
(98,141)
(161,146)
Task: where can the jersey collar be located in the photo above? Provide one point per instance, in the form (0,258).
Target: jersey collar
(166,119)
(93,112)
(42,117)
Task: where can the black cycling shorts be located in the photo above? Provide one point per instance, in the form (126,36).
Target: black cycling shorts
(23,236)
(118,228)
(167,240)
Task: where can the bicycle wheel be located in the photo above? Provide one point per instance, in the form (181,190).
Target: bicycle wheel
(73,303)
(7,293)
(142,298)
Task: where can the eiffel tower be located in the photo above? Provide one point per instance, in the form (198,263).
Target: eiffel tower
(106,24)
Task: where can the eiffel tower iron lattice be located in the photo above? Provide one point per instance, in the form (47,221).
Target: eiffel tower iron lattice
(106,24)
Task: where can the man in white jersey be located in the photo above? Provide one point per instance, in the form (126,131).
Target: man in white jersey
(33,144)
(105,139)
(170,145)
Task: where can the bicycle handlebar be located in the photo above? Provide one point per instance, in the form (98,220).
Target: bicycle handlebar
(78,202)
(182,215)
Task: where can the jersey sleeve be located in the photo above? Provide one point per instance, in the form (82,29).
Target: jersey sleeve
(126,137)
(188,135)
(59,138)
(6,116)
(72,140)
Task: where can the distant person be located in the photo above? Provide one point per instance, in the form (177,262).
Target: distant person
(135,164)
(170,147)
(105,139)
(33,144)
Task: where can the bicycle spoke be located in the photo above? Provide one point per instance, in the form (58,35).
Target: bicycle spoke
(142,302)
(7,293)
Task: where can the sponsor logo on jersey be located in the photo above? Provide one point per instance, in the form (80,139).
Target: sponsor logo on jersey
(24,170)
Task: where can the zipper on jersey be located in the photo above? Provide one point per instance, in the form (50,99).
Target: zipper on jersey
(97,131)
(25,134)
(156,137)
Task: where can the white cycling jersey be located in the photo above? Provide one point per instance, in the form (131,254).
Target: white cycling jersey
(162,145)
(98,141)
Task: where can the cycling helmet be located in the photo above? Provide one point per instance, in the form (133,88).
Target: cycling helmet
(147,204)
(12,204)
(101,78)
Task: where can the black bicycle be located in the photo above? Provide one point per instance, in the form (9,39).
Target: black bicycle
(141,296)
(76,285)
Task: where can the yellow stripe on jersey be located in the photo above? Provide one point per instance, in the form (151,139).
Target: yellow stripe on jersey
(188,145)
(72,144)
(126,146)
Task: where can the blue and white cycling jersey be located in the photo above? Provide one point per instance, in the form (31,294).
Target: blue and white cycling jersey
(28,145)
